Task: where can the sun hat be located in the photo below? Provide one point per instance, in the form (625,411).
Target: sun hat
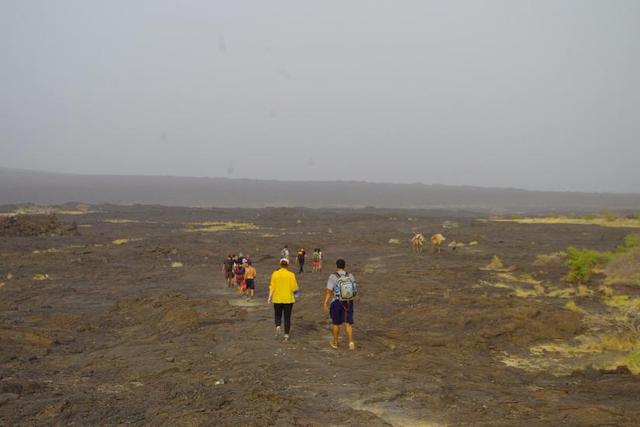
(284,261)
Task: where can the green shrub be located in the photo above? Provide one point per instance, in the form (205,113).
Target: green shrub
(630,241)
(582,262)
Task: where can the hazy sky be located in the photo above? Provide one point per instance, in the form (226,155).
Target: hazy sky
(541,94)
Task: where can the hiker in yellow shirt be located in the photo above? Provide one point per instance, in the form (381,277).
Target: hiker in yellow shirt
(282,287)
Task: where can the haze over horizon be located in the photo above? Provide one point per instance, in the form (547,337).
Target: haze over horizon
(536,95)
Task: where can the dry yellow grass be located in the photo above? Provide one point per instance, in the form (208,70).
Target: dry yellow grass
(40,277)
(216,226)
(495,264)
(612,340)
(119,242)
(47,251)
(603,222)
(572,306)
(525,293)
(176,265)
(46,210)
(623,302)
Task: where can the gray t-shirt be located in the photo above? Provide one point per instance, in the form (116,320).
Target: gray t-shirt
(332,283)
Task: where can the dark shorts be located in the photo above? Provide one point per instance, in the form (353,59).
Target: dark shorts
(341,311)
(229,274)
(250,283)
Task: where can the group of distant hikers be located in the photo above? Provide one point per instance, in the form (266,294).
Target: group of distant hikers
(340,291)
(301,257)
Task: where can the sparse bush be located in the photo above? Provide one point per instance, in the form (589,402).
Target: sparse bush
(552,259)
(582,262)
(624,268)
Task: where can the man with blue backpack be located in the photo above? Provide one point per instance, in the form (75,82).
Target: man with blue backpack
(341,290)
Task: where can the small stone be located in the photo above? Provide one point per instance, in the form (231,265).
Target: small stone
(170,359)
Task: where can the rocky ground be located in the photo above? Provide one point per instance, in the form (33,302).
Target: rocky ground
(129,321)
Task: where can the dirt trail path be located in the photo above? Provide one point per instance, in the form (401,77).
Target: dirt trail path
(309,368)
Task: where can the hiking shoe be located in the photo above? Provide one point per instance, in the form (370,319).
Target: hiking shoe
(352,345)
(333,344)
(278,331)
(286,337)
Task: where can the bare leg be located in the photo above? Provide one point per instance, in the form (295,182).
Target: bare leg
(335,330)
(349,328)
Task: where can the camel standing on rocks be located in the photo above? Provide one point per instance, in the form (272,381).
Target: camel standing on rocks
(417,242)
(436,242)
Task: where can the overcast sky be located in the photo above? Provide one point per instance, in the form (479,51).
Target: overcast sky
(541,94)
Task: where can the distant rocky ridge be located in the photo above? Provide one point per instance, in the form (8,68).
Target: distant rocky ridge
(22,186)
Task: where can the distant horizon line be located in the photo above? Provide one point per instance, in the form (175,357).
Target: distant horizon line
(343,181)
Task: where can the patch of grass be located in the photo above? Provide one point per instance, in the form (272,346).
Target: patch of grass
(623,302)
(572,306)
(48,210)
(632,361)
(119,242)
(608,221)
(176,264)
(583,291)
(606,290)
(46,251)
(495,263)
(525,293)
(217,226)
(40,277)
(561,293)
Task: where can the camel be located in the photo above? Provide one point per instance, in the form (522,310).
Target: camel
(436,242)
(417,242)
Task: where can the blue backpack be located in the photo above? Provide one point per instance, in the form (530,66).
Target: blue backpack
(346,287)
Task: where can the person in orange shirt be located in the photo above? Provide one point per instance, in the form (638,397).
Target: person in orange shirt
(282,288)
(250,274)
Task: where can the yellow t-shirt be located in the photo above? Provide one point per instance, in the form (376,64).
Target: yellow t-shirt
(283,284)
